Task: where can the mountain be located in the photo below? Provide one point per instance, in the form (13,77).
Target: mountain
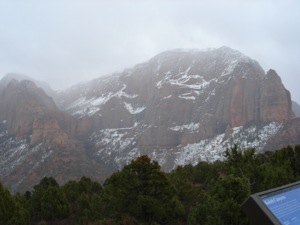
(37,139)
(182,106)
(19,77)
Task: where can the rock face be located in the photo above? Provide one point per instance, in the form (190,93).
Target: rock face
(179,107)
(275,104)
(288,134)
(37,139)
(30,113)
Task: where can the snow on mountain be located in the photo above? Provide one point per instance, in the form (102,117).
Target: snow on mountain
(213,149)
(183,102)
(179,107)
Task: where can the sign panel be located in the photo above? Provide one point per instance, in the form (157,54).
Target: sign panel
(278,206)
(284,204)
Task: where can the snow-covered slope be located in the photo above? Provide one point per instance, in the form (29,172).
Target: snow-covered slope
(179,107)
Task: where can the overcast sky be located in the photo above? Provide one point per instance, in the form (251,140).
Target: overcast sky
(66,41)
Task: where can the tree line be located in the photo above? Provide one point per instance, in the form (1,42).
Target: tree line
(141,193)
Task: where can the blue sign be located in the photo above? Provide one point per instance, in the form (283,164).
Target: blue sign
(285,205)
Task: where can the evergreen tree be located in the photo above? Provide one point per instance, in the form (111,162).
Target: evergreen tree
(296,166)
(206,212)
(205,173)
(231,191)
(186,190)
(54,204)
(80,195)
(142,191)
(48,201)
(11,211)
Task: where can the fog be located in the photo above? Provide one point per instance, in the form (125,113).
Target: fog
(67,41)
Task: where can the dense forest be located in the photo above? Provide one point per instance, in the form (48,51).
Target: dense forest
(141,193)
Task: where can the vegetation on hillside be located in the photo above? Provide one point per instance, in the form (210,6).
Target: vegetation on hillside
(141,193)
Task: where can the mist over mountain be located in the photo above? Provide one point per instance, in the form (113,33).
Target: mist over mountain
(180,107)
(296,108)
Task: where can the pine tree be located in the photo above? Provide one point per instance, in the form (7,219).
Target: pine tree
(48,201)
(11,211)
(142,191)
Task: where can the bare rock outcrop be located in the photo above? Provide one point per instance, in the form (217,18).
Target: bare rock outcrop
(275,100)
(31,114)
(289,134)
(177,100)
(50,132)
(179,107)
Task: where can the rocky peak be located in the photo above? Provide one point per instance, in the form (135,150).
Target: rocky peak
(275,100)
(27,91)
(20,77)
(273,76)
(37,139)
(30,113)
(180,107)
(177,99)
(230,54)
(218,86)
(12,76)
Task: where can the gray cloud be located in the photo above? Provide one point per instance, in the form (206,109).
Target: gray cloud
(63,42)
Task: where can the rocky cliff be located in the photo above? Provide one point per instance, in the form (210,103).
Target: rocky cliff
(275,100)
(31,114)
(37,139)
(179,107)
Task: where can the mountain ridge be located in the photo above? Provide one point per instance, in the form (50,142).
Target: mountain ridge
(173,78)
(179,107)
